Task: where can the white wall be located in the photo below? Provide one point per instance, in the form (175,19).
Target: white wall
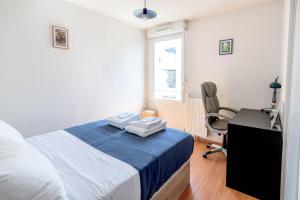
(242,78)
(43,88)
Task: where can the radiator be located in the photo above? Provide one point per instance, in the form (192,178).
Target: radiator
(195,117)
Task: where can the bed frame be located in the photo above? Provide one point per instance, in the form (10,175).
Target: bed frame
(176,184)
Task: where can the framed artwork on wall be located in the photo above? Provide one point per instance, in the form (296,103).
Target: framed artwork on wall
(226,47)
(60,37)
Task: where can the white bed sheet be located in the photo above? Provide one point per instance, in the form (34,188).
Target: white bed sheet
(87,173)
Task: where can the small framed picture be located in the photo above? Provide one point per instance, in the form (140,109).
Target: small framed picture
(60,37)
(226,47)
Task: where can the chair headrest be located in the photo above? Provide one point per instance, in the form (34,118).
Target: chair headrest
(210,89)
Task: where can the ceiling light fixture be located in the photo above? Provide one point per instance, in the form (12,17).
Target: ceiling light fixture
(145,13)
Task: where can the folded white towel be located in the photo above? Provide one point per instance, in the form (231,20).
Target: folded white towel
(122,120)
(147,123)
(124,115)
(142,132)
(120,126)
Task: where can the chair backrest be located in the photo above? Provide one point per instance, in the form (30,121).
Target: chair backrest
(209,97)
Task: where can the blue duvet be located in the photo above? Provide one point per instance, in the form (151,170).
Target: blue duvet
(156,157)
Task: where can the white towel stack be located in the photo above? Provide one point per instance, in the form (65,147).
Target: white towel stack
(122,120)
(146,126)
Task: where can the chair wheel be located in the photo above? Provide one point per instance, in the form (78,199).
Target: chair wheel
(204,155)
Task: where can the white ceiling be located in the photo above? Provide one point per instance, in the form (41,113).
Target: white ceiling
(168,10)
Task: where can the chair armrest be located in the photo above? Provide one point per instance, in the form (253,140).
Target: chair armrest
(208,115)
(229,109)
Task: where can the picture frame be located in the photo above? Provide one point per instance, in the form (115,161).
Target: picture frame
(60,37)
(226,47)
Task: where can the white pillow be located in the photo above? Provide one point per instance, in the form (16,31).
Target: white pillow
(27,174)
(9,133)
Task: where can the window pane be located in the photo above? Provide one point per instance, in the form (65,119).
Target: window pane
(168,66)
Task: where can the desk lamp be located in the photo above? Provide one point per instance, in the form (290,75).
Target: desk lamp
(275,85)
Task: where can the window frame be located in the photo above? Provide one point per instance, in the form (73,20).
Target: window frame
(182,81)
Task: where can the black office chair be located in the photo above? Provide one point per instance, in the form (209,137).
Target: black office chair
(214,121)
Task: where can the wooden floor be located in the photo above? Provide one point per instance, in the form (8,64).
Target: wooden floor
(208,177)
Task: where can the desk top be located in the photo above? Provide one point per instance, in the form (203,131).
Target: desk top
(252,118)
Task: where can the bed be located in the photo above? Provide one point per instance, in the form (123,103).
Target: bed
(99,161)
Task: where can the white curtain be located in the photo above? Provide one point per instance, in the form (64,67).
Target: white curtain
(299,183)
(292,169)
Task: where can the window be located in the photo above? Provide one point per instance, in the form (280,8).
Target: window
(168,61)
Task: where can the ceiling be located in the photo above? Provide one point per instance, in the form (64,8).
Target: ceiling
(168,10)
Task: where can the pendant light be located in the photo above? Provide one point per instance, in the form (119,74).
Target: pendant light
(145,13)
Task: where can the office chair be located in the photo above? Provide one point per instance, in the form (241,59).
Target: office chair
(214,121)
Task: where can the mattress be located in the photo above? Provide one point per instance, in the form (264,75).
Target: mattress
(156,158)
(86,173)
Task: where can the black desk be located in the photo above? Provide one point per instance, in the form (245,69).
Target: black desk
(254,153)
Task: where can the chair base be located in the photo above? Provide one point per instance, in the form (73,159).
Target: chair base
(216,149)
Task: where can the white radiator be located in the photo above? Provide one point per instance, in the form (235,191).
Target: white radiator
(195,117)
